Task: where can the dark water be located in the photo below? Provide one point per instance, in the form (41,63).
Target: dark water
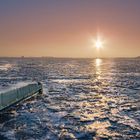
(84,99)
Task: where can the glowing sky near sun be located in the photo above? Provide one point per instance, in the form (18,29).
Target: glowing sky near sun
(64,28)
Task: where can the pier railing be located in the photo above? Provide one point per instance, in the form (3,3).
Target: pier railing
(11,97)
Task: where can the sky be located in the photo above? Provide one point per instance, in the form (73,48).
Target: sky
(69,28)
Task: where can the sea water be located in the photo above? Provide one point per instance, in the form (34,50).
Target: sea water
(83,99)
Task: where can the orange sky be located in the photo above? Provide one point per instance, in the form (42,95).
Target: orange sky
(63,28)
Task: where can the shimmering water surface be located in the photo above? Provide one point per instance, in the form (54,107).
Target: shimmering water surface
(84,99)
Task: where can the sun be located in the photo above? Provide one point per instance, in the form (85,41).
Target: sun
(98,43)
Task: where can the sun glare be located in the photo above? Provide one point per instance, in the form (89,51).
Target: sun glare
(98,43)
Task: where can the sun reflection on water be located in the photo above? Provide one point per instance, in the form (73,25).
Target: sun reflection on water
(98,63)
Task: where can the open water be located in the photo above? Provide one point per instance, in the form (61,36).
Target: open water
(83,99)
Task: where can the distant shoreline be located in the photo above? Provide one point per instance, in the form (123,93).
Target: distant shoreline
(9,57)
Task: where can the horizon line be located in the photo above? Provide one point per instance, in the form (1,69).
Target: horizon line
(67,57)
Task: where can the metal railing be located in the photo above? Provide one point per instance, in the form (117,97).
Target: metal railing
(11,97)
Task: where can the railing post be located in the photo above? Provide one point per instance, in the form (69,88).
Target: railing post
(41,88)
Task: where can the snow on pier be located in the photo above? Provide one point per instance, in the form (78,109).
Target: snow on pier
(10,97)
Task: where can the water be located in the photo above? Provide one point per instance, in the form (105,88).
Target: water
(84,99)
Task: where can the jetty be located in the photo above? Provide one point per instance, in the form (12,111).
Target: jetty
(16,95)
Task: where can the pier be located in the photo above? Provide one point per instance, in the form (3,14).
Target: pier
(14,96)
